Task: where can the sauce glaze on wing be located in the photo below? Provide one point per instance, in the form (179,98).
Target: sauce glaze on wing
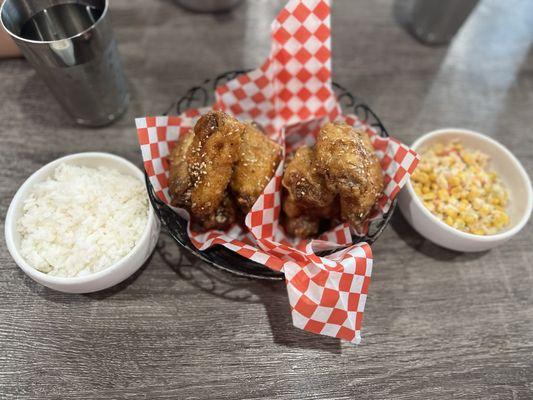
(258,159)
(213,154)
(180,184)
(305,185)
(346,158)
(219,169)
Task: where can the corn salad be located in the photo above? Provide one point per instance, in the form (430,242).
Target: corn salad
(454,185)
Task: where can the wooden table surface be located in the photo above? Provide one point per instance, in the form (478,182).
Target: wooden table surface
(438,324)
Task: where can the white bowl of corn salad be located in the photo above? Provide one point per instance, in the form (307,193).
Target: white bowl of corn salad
(469,193)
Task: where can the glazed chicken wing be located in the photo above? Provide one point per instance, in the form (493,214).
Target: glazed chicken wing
(306,196)
(306,187)
(346,158)
(223,217)
(214,151)
(303,226)
(258,159)
(201,165)
(180,185)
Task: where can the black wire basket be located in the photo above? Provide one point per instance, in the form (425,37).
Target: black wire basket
(219,256)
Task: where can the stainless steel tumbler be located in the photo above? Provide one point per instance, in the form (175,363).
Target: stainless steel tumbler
(71,46)
(434,22)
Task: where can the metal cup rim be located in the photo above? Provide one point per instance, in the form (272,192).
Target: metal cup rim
(17,37)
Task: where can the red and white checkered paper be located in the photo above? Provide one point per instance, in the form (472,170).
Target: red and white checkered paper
(291,96)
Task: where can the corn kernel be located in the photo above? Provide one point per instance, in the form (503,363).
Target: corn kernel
(497,224)
(460,224)
(428,196)
(477,204)
(457,191)
(450,211)
(470,219)
(501,218)
(454,181)
(442,182)
(443,195)
(422,177)
(473,194)
(484,210)
(468,159)
(505,219)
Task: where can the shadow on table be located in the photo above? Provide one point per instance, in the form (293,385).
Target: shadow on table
(104,294)
(414,240)
(69,298)
(41,107)
(272,294)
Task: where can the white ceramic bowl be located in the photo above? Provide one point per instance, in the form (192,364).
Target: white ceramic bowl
(502,161)
(99,280)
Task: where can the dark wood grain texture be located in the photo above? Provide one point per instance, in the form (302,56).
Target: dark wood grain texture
(437,325)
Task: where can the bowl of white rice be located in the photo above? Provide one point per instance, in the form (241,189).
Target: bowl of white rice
(82,223)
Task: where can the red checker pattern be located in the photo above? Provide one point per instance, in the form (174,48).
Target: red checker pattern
(294,83)
(329,302)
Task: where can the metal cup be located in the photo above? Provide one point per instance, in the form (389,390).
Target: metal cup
(433,22)
(71,46)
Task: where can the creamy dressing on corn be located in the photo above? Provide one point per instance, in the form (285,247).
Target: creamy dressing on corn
(455,185)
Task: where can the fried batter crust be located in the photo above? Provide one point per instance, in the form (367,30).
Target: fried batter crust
(306,188)
(258,159)
(303,226)
(213,154)
(180,185)
(223,217)
(346,159)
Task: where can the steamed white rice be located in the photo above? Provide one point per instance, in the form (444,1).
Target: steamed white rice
(82,220)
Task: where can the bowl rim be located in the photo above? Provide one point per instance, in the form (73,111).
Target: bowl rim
(514,161)
(80,34)
(20,195)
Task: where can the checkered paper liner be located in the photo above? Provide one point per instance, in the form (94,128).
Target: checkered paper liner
(291,97)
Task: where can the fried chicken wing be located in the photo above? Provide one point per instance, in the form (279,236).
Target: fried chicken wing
(223,217)
(306,199)
(258,159)
(290,207)
(180,185)
(346,158)
(213,154)
(306,188)
(201,165)
(356,206)
(303,226)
